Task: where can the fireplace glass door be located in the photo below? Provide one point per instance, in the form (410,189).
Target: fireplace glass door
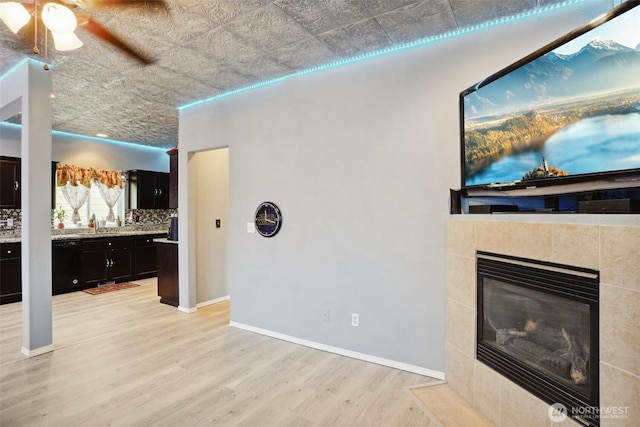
(551,334)
(538,326)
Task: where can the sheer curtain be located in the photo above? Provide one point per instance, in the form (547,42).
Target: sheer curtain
(76,184)
(109,184)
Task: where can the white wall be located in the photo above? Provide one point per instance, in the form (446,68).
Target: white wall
(360,160)
(212,203)
(89,152)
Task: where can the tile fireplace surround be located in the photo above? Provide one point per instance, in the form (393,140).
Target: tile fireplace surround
(612,249)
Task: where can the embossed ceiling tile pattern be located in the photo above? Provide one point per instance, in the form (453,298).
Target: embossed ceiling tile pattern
(223,47)
(261,68)
(418,20)
(347,12)
(222,78)
(304,54)
(164,87)
(368,35)
(269,28)
(194,62)
(309,14)
(377,7)
(246,6)
(216,13)
(340,42)
(471,12)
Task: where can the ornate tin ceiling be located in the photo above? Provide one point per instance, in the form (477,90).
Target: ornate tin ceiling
(206,47)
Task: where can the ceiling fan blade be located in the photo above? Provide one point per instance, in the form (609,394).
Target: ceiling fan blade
(100,4)
(99,31)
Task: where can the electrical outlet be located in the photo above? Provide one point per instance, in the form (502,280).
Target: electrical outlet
(325,315)
(355,319)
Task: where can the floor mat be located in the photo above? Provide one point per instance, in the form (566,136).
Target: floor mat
(109,288)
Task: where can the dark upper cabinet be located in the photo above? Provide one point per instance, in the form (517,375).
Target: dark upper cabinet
(173,178)
(148,190)
(9,183)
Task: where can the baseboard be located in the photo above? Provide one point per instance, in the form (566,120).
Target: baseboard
(187,310)
(212,301)
(37,351)
(343,352)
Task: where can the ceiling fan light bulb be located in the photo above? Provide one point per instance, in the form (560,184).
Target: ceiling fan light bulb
(66,41)
(58,18)
(14,15)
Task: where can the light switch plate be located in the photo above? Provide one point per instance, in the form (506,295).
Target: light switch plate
(9,222)
(251,227)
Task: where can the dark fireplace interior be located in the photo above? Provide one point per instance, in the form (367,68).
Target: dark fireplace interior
(538,326)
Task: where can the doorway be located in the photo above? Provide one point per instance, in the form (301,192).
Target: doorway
(212,223)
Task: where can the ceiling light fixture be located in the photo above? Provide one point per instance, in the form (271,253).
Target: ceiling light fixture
(62,23)
(14,15)
(59,19)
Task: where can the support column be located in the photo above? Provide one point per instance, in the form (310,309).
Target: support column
(29,87)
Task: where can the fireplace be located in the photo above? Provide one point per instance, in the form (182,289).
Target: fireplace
(538,325)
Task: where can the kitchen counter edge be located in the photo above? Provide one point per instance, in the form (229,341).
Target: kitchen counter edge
(86,236)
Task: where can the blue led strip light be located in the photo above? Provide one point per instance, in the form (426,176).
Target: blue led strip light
(18,65)
(396,48)
(91,138)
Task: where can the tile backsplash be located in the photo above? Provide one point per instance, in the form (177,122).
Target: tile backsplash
(134,219)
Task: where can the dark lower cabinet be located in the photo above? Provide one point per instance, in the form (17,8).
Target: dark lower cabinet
(89,262)
(106,260)
(168,273)
(66,265)
(10,273)
(146,264)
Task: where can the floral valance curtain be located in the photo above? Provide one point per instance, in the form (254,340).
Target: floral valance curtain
(76,183)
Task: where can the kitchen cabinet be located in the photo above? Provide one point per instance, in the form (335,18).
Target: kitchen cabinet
(145,257)
(107,259)
(148,190)
(173,178)
(10,185)
(168,272)
(10,272)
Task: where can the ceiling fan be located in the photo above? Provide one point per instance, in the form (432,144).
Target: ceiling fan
(62,17)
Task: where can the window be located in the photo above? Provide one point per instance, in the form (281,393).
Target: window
(93,206)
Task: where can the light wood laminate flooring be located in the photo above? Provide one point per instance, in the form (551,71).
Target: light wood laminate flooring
(124,359)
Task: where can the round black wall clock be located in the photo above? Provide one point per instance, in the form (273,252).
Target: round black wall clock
(268,219)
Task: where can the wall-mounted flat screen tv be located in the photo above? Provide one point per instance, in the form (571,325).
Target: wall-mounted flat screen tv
(567,113)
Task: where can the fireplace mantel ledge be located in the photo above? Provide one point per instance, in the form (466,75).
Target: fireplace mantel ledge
(612,219)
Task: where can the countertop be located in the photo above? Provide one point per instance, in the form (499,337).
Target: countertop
(92,235)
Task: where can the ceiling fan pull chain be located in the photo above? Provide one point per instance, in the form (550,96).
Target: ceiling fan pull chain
(35,36)
(46,50)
